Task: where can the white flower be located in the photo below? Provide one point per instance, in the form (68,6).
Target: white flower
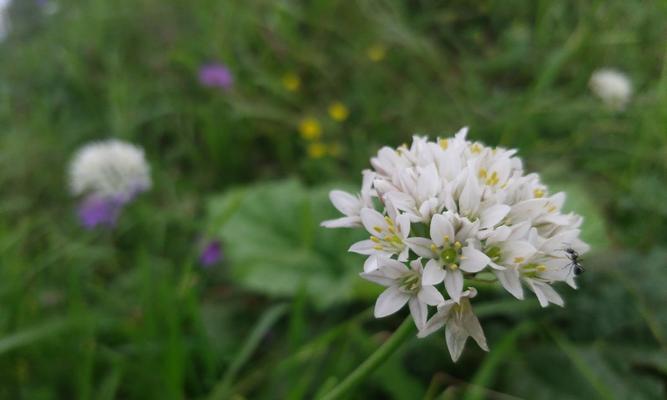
(466,209)
(459,322)
(451,250)
(612,87)
(387,235)
(351,205)
(111,168)
(404,285)
(4,18)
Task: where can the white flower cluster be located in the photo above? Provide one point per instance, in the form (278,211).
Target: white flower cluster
(613,87)
(109,169)
(439,212)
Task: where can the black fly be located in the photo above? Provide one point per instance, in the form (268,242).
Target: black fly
(574,261)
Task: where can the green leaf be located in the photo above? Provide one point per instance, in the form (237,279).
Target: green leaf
(274,243)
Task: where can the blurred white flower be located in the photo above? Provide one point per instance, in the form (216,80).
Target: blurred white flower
(4,18)
(465,209)
(109,169)
(613,87)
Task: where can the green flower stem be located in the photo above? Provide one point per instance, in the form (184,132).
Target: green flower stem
(376,359)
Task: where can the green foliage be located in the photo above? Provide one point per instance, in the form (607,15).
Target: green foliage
(275,246)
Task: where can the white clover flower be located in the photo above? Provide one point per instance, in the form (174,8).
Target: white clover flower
(613,87)
(465,209)
(109,169)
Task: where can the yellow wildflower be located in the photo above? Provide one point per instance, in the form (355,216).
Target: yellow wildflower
(291,82)
(376,52)
(310,128)
(338,111)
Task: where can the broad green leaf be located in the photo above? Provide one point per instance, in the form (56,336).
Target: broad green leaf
(275,245)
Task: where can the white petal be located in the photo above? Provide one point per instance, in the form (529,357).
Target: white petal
(472,326)
(470,196)
(430,295)
(378,277)
(372,220)
(421,246)
(437,321)
(365,247)
(344,222)
(456,337)
(345,202)
(509,278)
(500,234)
(419,312)
(371,263)
(441,230)
(514,251)
(493,215)
(454,284)
(433,273)
(550,294)
(392,268)
(473,260)
(390,301)
(401,201)
(403,222)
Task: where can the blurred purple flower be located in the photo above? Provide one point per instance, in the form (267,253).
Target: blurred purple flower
(211,253)
(216,75)
(97,211)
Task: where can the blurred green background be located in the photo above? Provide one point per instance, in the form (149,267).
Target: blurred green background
(130,314)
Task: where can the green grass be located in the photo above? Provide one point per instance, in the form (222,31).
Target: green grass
(129,314)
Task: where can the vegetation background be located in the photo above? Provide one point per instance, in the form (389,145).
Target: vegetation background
(130,314)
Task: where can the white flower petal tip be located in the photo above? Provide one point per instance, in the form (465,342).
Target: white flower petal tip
(438,214)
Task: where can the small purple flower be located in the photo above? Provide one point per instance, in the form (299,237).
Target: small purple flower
(216,75)
(97,211)
(211,253)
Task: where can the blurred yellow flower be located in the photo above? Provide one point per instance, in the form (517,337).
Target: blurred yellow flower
(376,52)
(310,128)
(317,150)
(338,111)
(291,81)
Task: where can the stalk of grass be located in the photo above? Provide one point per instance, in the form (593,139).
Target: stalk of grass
(376,359)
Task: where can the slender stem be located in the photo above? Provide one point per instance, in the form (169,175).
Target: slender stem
(376,359)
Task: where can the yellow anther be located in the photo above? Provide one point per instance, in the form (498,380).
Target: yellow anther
(434,248)
(552,208)
(377,247)
(538,193)
(390,222)
(493,179)
(444,143)
(475,148)
(541,268)
(375,239)
(391,229)
(518,260)
(446,238)
(482,173)
(457,245)
(453,266)
(377,229)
